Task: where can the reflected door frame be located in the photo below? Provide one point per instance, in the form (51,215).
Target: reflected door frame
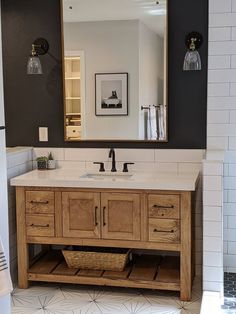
(81,54)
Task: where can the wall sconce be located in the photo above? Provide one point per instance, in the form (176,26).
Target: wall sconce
(192,60)
(39,47)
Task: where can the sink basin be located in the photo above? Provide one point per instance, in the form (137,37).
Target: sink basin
(107,175)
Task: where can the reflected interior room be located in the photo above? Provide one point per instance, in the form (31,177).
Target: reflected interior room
(117,157)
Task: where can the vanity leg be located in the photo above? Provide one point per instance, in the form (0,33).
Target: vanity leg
(23,266)
(22,246)
(186,245)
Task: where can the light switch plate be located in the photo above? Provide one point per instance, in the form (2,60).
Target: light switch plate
(43,134)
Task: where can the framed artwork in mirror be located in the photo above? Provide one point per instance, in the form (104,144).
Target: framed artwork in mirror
(111,94)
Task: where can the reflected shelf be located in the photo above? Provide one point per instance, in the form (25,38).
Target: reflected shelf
(73,113)
(73,98)
(72,78)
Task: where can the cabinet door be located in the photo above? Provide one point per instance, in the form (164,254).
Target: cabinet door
(120,216)
(81,214)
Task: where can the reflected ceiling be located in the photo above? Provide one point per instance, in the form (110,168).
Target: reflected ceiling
(100,10)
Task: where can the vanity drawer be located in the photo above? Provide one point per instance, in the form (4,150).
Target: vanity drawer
(164,230)
(163,206)
(40,202)
(40,225)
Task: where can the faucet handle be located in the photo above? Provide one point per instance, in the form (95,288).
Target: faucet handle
(101,169)
(125,167)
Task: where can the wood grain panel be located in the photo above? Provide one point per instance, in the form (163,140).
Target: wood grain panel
(47,263)
(169,270)
(145,268)
(40,225)
(90,273)
(121,216)
(81,214)
(22,245)
(164,230)
(186,243)
(117,274)
(40,202)
(63,269)
(164,206)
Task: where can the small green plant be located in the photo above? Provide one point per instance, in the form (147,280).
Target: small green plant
(42,158)
(42,162)
(50,156)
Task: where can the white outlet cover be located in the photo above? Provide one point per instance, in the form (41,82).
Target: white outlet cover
(43,134)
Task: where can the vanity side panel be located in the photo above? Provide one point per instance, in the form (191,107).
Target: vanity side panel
(186,247)
(22,246)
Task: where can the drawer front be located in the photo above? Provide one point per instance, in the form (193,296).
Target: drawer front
(164,206)
(73,131)
(40,202)
(164,230)
(40,225)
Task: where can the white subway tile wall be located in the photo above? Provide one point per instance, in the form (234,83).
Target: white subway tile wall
(222,112)
(19,161)
(212,223)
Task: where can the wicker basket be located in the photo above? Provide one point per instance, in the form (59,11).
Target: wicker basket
(92,258)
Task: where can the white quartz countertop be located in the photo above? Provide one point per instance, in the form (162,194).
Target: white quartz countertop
(138,180)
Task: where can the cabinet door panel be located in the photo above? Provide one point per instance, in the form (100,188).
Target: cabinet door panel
(81,214)
(121,216)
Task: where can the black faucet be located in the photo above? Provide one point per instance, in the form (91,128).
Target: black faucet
(113,156)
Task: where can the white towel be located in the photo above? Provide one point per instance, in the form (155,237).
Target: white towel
(161,122)
(152,123)
(5,278)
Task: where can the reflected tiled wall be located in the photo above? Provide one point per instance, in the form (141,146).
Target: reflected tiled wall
(19,161)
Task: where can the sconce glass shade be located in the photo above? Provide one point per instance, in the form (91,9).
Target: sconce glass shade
(192,61)
(34,65)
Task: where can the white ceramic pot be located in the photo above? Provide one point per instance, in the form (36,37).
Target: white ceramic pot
(51,164)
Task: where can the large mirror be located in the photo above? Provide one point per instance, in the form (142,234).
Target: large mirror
(115,68)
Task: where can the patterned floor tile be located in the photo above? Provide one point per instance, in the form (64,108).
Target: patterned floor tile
(73,299)
(229,306)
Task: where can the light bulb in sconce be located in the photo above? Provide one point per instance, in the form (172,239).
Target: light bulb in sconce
(39,47)
(192,59)
(34,65)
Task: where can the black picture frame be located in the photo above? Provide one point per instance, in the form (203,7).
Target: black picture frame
(111,94)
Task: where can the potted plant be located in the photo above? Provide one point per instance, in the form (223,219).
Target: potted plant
(51,161)
(42,162)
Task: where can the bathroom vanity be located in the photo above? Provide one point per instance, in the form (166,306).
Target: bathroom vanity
(153,212)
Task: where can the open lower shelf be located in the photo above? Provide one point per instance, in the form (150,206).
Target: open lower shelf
(151,272)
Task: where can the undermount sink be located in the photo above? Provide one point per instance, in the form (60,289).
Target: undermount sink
(107,175)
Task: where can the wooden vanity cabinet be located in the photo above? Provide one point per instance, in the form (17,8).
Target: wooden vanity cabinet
(118,216)
(134,219)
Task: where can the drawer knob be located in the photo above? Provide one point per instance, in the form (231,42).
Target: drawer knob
(170,231)
(39,202)
(40,226)
(164,207)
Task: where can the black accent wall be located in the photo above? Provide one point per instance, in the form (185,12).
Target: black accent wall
(34,101)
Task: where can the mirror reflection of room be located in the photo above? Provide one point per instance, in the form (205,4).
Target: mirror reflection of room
(115,70)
